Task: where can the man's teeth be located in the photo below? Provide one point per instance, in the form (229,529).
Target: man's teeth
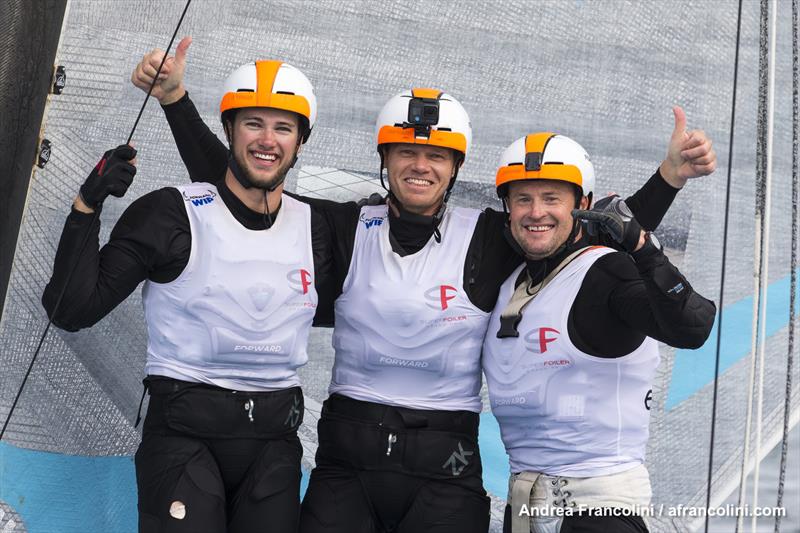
(265,157)
(416,181)
(538,228)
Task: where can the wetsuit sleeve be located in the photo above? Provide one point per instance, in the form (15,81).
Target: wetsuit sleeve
(623,300)
(490,260)
(151,240)
(333,230)
(205,156)
(650,203)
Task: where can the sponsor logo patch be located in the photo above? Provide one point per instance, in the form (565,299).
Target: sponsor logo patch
(198,200)
(536,340)
(439,295)
(394,361)
(371,221)
(299,280)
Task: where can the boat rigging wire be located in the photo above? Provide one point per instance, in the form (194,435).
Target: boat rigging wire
(86,237)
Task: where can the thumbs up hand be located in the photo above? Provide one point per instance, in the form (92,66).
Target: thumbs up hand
(169,87)
(689,154)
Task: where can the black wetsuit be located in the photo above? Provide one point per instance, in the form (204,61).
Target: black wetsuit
(199,447)
(352,498)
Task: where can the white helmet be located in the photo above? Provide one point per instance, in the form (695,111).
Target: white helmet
(545,156)
(424,116)
(271,84)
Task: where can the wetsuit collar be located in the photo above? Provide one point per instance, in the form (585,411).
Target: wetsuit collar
(409,230)
(540,268)
(248,218)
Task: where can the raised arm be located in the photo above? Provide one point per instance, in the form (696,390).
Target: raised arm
(101,279)
(203,154)
(689,155)
(631,299)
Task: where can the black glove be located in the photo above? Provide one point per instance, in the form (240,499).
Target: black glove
(112,175)
(373,199)
(612,216)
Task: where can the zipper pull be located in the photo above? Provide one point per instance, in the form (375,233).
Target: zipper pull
(391,440)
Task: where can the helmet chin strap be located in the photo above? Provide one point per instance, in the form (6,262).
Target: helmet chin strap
(570,238)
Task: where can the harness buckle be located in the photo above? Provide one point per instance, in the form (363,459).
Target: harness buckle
(391,440)
(250,406)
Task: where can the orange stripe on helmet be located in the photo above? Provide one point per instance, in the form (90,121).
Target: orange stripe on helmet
(549,171)
(445,139)
(266,72)
(536,143)
(426,93)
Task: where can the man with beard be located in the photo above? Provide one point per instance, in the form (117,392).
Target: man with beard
(229,298)
(416,282)
(570,353)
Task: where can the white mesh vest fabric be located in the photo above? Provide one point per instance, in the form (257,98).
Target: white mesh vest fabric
(406,333)
(561,411)
(238,316)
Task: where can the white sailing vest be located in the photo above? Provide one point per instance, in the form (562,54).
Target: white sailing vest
(238,315)
(406,333)
(561,411)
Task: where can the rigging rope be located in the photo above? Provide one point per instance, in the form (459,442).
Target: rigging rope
(758,260)
(724,258)
(86,237)
(793,271)
(773,33)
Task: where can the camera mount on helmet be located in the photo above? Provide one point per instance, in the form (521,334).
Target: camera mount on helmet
(423,113)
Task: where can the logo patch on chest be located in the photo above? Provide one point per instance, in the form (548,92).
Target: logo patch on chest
(438,296)
(536,340)
(371,221)
(198,200)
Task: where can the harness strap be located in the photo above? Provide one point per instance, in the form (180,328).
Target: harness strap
(519,495)
(525,293)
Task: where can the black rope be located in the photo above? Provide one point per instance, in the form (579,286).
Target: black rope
(724,257)
(150,90)
(793,274)
(85,239)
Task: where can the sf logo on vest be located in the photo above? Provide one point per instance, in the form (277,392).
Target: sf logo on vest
(439,295)
(299,280)
(536,340)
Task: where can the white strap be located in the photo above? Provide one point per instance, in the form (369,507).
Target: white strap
(519,495)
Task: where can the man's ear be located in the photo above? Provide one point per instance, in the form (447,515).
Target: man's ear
(585,202)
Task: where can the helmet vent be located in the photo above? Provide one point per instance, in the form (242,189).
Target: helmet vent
(245,90)
(284,92)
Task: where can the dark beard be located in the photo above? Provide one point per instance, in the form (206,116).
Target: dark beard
(247,176)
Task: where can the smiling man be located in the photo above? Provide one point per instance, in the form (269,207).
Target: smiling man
(416,281)
(570,353)
(228,298)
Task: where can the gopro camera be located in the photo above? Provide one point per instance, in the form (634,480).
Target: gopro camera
(423,113)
